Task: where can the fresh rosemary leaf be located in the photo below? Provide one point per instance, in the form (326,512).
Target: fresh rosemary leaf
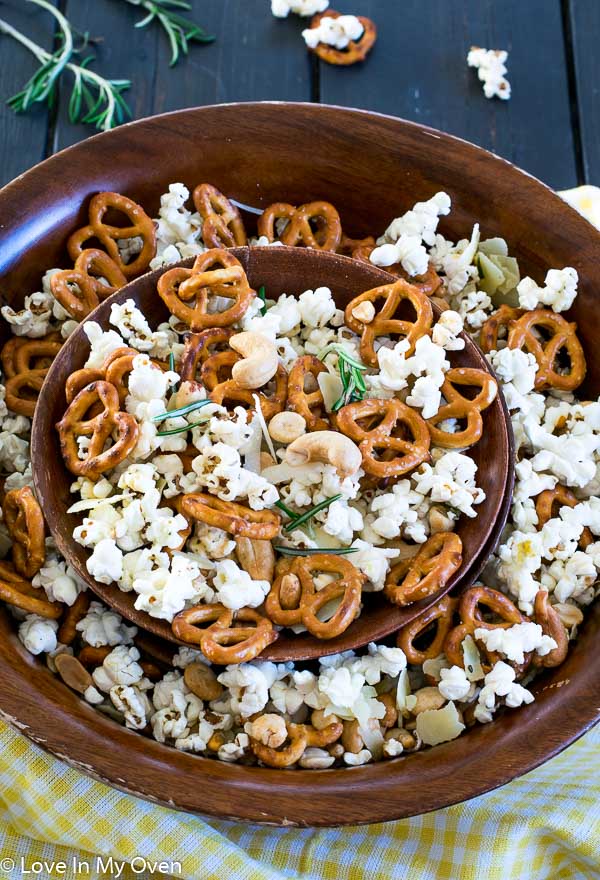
(304,517)
(286,509)
(183,428)
(180,31)
(310,551)
(182,411)
(262,294)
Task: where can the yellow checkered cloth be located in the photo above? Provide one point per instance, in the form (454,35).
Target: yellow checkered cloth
(544,826)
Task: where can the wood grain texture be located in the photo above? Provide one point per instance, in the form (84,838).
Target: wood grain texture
(584,26)
(418,70)
(23,137)
(254,57)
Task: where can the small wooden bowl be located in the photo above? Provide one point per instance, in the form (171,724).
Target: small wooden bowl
(372,167)
(281,270)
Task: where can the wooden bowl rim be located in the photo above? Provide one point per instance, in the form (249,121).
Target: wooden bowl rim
(373,793)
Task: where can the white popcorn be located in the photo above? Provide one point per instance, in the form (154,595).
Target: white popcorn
(337,32)
(106,562)
(357,759)
(236,589)
(474,307)
(119,667)
(452,481)
(516,367)
(282,8)
(38,634)
(133,703)
(178,230)
(403,240)
(516,641)
(373,562)
(147,382)
(341,521)
(393,510)
(287,309)
(559,291)
(249,684)
(428,363)
(573,578)
(491,70)
(100,626)
(134,328)
(454,684)
(520,558)
(14,452)
(164,592)
(34,318)
(318,308)
(218,468)
(234,751)
(58,580)
(500,682)
(446,332)
(101,344)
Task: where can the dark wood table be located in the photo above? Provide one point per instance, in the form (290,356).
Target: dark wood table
(550,127)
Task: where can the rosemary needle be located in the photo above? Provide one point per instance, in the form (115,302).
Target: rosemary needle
(262,294)
(310,551)
(304,517)
(286,509)
(182,428)
(182,411)
(180,30)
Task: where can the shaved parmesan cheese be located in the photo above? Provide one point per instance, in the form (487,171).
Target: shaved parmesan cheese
(263,425)
(439,725)
(252,448)
(472,663)
(331,388)
(372,737)
(92,503)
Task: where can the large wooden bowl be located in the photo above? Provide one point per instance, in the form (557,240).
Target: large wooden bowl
(373,168)
(280,270)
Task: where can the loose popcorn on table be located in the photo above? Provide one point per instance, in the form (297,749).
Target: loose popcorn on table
(491,70)
(282,8)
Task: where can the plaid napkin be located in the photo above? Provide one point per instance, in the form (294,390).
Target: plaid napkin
(55,822)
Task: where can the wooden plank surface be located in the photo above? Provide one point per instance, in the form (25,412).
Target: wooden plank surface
(23,137)
(255,57)
(418,71)
(584,32)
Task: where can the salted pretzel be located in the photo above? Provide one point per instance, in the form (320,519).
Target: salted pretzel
(79,290)
(78,422)
(552,625)
(141,226)
(392,437)
(222,222)
(216,273)
(355,51)
(228,392)
(316,225)
(86,375)
(67,632)
(503,319)
(427,572)
(26,363)
(309,404)
(548,504)
(361,250)
(438,618)
(525,334)
(294,600)
(358,248)
(231,517)
(385,323)
(299,738)
(224,636)
(25,523)
(470,610)
(20,593)
(200,347)
(462,408)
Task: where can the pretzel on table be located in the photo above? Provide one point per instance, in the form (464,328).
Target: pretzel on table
(26,363)
(427,572)
(199,348)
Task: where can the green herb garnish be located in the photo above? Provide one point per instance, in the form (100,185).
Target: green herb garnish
(351,374)
(180,30)
(286,509)
(94,100)
(310,551)
(262,295)
(182,411)
(304,517)
(183,428)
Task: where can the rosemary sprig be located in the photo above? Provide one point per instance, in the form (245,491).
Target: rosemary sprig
(304,517)
(94,100)
(286,509)
(171,362)
(310,551)
(182,411)
(180,30)
(262,294)
(183,428)
(351,374)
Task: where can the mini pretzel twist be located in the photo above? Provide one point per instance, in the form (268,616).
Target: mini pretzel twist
(99,428)
(228,392)
(463,408)
(397,444)
(25,523)
(288,606)
(223,225)
(355,51)
(233,518)
(525,335)
(216,273)
(552,626)
(299,738)
(26,364)
(548,504)
(20,593)
(427,572)
(316,225)
(309,404)
(471,603)
(230,637)
(200,347)
(141,226)
(438,617)
(90,266)
(86,375)
(385,323)
(503,319)
(358,248)
(67,632)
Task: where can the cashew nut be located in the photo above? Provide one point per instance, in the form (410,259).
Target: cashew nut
(427,698)
(259,359)
(316,759)
(440,521)
(328,447)
(285,427)
(256,557)
(364,312)
(569,614)
(270,730)
(202,681)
